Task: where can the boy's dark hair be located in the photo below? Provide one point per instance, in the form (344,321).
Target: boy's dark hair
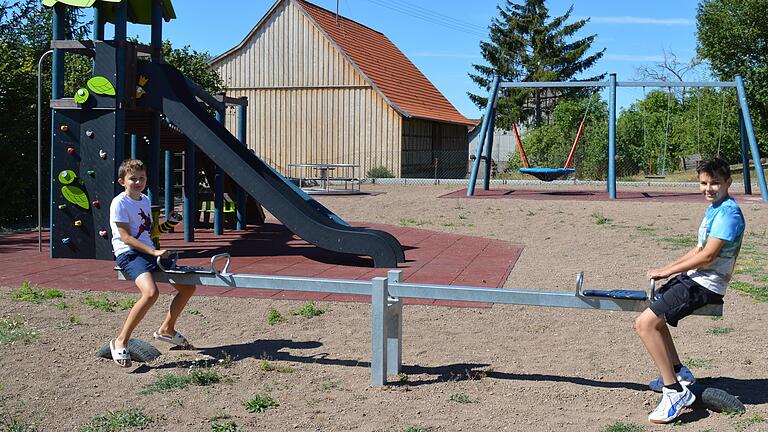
(128,166)
(715,167)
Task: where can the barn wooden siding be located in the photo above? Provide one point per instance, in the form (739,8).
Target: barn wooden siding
(426,143)
(306,103)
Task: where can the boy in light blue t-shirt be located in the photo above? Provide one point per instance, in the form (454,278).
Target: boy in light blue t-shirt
(702,277)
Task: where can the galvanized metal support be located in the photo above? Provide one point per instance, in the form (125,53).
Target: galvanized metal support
(168,183)
(747,180)
(394,327)
(190,191)
(612,136)
(742,93)
(379,297)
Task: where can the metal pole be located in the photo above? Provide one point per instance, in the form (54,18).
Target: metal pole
(489,151)
(612,137)
(744,156)
(40,151)
(134,146)
(481,136)
(168,184)
(218,191)
(57,91)
(190,191)
(242,198)
(751,137)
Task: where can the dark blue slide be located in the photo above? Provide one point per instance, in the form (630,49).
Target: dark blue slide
(168,92)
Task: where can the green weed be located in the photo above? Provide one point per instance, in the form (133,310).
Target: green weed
(266,365)
(719,330)
(260,403)
(103,304)
(416,429)
(118,420)
(69,323)
(193,312)
(759,294)
(414,222)
(275,317)
(600,219)
(34,294)
(680,241)
(225,427)
(699,363)
(61,305)
(460,398)
(623,427)
(197,375)
(744,423)
(17,425)
(309,310)
(13,330)
(126,303)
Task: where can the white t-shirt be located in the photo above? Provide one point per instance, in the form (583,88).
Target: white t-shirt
(137,214)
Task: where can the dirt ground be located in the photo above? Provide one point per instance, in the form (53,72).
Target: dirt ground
(511,368)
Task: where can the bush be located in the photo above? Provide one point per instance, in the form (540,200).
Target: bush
(379,172)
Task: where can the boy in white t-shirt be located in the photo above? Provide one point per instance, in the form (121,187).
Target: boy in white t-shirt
(702,277)
(130,219)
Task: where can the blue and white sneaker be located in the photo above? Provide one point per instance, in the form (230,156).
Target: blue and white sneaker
(684,377)
(671,405)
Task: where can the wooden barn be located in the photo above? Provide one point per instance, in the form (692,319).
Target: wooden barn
(326,89)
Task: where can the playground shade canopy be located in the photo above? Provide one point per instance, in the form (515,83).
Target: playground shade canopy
(139,11)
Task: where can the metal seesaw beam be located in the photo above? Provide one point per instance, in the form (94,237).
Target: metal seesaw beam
(386,305)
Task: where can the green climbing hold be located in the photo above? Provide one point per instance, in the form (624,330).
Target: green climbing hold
(67,177)
(101,85)
(81,95)
(76,196)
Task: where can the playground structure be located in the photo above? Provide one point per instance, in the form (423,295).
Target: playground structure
(746,129)
(91,132)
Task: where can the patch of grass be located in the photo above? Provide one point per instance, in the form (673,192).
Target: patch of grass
(285,369)
(680,241)
(266,365)
(126,303)
(414,222)
(69,323)
(17,425)
(61,305)
(460,398)
(14,330)
(275,317)
(193,312)
(118,420)
(623,427)
(309,310)
(34,294)
(759,294)
(260,403)
(416,429)
(197,375)
(699,363)
(744,423)
(103,304)
(646,229)
(600,219)
(717,330)
(225,427)
(327,385)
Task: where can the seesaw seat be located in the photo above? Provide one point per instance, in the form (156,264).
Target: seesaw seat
(617,294)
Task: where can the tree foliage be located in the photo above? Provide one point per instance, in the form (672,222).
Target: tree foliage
(25,34)
(733,38)
(526,44)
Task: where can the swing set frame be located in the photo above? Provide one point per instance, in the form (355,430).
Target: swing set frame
(746,129)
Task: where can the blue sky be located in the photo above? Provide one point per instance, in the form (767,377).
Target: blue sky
(442,37)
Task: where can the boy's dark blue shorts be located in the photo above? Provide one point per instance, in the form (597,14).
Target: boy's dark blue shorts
(679,297)
(135,263)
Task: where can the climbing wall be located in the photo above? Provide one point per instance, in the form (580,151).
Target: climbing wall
(84,167)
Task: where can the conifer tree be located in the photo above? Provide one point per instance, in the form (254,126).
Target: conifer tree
(526,44)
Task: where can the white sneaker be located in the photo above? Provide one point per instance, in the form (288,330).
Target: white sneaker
(684,377)
(671,405)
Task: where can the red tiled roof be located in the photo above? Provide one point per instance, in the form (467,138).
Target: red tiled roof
(386,67)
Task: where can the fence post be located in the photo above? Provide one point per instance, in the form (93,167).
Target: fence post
(379,296)
(394,327)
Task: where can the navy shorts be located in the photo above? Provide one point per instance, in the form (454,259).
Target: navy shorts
(679,297)
(135,263)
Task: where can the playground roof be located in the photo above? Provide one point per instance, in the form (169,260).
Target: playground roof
(380,62)
(139,11)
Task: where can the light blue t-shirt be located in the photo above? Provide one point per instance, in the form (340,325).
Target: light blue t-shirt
(726,222)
